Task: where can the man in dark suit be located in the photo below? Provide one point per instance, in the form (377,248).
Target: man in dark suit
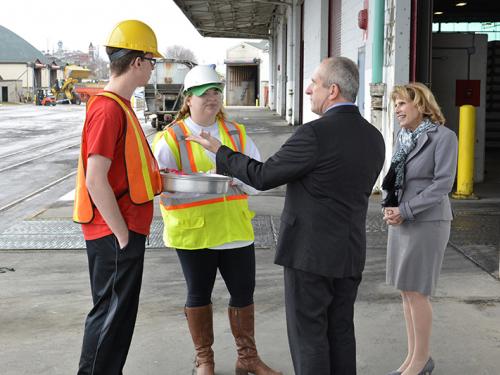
(330,166)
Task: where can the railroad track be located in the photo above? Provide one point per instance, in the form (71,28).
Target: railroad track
(39,146)
(36,192)
(39,157)
(49,185)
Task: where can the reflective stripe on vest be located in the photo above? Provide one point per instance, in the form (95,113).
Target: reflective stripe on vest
(206,220)
(236,135)
(186,153)
(232,135)
(143,175)
(185,148)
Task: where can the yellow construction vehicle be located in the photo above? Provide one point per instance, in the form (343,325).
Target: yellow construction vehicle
(64,91)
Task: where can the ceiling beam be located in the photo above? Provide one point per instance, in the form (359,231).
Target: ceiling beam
(238,19)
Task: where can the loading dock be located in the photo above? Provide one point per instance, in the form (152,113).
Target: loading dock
(458,54)
(242,83)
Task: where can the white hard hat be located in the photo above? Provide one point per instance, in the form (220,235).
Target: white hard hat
(202,75)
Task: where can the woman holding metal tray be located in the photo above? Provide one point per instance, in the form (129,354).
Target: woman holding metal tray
(211,231)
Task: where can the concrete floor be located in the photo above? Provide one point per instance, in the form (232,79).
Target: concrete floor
(43,304)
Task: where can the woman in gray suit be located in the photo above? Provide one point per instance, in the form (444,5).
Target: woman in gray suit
(418,212)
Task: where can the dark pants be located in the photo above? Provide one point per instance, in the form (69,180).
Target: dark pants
(115,281)
(319,315)
(236,266)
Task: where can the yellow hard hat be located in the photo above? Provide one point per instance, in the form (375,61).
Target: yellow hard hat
(134,35)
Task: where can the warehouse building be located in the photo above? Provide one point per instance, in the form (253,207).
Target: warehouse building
(392,41)
(23,68)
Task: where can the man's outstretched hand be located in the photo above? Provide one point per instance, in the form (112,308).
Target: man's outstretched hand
(206,140)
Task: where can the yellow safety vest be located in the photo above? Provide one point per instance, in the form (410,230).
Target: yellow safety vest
(143,174)
(208,220)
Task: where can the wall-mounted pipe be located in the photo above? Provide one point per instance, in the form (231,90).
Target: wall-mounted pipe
(378,41)
(377,87)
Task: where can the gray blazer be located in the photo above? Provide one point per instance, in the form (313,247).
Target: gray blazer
(429,176)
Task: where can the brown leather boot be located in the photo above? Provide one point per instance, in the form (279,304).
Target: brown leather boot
(242,327)
(200,324)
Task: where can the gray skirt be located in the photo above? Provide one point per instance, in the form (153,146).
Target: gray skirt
(415,251)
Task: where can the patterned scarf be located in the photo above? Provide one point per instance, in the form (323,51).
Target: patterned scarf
(394,179)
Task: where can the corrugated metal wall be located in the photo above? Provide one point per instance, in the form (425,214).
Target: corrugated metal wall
(334,29)
(241,85)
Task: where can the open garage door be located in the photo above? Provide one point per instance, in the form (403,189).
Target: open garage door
(464,48)
(242,85)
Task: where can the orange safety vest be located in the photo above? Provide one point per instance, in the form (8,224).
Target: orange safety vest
(143,174)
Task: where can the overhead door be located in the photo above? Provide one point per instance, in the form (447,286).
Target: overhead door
(242,85)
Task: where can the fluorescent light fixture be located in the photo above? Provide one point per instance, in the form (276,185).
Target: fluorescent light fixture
(462,4)
(438,13)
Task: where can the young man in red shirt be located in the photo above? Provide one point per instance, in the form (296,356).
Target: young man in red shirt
(114,200)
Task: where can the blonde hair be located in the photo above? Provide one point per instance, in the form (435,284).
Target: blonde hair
(185,111)
(423,99)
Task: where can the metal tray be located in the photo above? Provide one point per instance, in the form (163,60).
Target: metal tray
(203,183)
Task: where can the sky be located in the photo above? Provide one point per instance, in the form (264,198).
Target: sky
(77,23)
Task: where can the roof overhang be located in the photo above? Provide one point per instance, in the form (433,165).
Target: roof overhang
(39,65)
(232,19)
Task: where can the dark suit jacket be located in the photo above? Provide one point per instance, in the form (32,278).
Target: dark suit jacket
(330,166)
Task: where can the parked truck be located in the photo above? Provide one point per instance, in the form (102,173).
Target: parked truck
(163,93)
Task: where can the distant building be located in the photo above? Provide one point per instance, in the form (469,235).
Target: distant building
(92,51)
(24,69)
(80,58)
(89,59)
(247,74)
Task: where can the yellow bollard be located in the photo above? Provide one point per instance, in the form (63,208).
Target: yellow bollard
(466,140)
